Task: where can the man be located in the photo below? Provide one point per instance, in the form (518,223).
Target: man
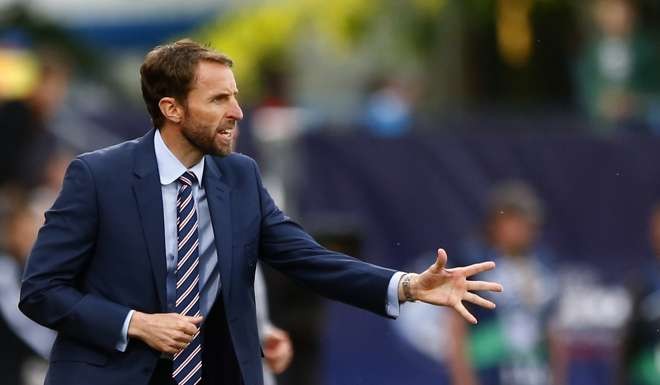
(145,265)
(641,344)
(25,344)
(276,343)
(29,142)
(521,339)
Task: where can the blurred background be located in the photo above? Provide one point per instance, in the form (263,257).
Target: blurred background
(523,131)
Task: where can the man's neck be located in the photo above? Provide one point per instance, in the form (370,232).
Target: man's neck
(181,147)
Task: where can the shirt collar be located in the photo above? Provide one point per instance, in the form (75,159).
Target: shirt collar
(169,167)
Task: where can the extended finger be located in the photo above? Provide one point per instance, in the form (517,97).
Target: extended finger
(477,300)
(478,268)
(465,313)
(483,285)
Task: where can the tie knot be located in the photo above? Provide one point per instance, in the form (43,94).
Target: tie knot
(188,178)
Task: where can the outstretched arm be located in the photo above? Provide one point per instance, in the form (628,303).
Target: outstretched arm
(449,287)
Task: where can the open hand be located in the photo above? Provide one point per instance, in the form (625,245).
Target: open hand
(449,287)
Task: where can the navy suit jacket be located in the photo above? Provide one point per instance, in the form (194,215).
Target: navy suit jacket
(101,252)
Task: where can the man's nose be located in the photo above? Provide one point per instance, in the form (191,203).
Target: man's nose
(235,111)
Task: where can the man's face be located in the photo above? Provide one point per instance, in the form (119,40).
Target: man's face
(21,233)
(654,232)
(614,17)
(513,233)
(212,110)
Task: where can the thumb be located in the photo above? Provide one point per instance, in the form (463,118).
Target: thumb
(440,262)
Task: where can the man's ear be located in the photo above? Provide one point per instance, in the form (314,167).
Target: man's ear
(171,109)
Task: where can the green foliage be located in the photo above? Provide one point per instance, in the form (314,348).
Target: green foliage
(254,34)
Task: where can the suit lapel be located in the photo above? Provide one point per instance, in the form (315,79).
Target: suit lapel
(149,199)
(218,194)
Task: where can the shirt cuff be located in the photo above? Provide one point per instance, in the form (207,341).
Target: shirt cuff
(123,339)
(392,307)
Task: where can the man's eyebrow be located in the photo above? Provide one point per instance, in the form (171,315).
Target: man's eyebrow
(224,93)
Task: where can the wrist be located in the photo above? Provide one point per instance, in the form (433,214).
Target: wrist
(408,287)
(135,325)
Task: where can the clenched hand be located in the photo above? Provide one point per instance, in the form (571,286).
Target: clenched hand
(165,332)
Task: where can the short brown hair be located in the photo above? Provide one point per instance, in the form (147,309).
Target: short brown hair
(169,71)
(515,197)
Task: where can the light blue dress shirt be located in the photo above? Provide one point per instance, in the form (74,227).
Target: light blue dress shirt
(170,169)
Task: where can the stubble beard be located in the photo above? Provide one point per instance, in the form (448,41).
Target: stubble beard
(198,136)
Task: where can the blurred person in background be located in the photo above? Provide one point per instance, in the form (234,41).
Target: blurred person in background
(388,110)
(512,344)
(302,312)
(88,276)
(52,174)
(275,342)
(641,357)
(28,143)
(25,344)
(275,126)
(618,75)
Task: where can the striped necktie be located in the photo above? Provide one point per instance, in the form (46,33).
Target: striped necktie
(187,368)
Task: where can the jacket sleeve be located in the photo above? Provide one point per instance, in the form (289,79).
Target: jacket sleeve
(287,247)
(50,292)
